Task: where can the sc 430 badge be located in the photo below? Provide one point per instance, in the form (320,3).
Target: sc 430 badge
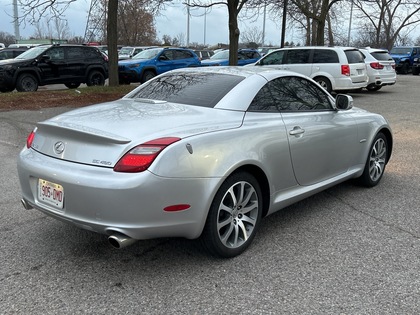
(104,163)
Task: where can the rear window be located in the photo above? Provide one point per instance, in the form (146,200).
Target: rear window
(200,89)
(354,56)
(381,55)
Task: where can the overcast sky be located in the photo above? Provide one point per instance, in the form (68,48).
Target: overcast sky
(211,28)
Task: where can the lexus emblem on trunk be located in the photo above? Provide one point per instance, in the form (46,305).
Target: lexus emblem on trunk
(59,147)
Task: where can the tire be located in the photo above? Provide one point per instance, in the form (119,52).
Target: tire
(376,162)
(405,67)
(95,78)
(416,71)
(325,83)
(147,75)
(72,85)
(26,82)
(234,216)
(373,87)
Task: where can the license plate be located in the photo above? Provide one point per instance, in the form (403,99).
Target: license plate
(359,71)
(51,193)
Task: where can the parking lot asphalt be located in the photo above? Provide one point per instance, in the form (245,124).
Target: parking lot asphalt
(347,250)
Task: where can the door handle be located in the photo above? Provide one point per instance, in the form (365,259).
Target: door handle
(296,131)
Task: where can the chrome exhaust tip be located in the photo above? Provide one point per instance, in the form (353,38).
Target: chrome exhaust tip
(118,240)
(26,205)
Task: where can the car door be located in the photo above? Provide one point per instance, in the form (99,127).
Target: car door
(77,58)
(53,67)
(322,140)
(298,60)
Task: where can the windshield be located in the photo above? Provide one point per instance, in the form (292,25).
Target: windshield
(199,89)
(33,52)
(401,51)
(220,55)
(148,53)
(125,51)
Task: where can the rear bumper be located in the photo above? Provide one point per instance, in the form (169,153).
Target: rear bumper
(101,200)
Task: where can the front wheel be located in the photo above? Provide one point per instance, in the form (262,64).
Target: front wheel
(405,67)
(376,162)
(26,82)
(234,216)
(95,78)
(147,75)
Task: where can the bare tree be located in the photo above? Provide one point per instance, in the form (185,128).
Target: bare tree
(252,35)
(389,18)
(7,38)
(234,7)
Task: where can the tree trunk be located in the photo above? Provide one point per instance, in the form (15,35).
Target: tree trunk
(233,32)
(112,42)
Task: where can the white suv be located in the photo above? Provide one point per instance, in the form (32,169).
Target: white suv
(380,68)
(334,68)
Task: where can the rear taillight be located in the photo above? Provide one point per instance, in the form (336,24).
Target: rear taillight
(30,139)
(345,70)
(376,65)
(393,66)
(141,157)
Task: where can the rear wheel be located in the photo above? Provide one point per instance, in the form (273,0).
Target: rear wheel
(147,75)
(234,216)
(26,82)
(72,85)
(373,87)
(376,162)
(95,78)
(324,82)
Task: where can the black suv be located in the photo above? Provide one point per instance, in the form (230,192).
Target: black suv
(54,64)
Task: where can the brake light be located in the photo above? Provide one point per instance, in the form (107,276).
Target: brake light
(376,65)
(393,66)
(30,139)
(345,70)
(142,156)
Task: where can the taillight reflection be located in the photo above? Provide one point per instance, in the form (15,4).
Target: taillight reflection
(30,139)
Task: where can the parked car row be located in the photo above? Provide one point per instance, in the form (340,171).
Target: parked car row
(334,68)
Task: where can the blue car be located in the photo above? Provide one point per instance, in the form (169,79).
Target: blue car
(152,62)
(221,58)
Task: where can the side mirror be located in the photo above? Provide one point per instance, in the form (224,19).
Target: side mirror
(343,102)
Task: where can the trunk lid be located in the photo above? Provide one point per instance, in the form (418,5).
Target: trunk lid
(101,134)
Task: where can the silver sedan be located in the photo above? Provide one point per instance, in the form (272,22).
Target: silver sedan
(200,153)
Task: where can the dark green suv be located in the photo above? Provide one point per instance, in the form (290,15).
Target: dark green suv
(71,65)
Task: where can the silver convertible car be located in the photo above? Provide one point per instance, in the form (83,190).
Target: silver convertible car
(200,153)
